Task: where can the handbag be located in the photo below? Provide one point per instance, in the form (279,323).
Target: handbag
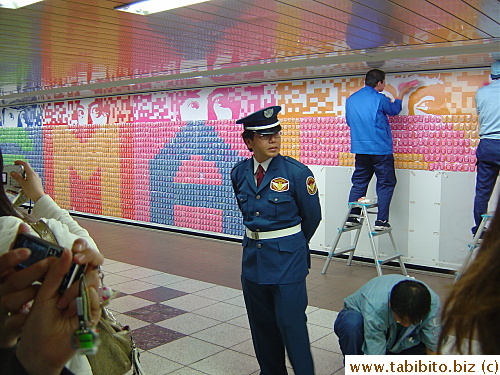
(117,353)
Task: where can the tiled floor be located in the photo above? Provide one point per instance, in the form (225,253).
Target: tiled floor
(181,296)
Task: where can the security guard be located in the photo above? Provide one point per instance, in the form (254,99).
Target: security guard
(279,201)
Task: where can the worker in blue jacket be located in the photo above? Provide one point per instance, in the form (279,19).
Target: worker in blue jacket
(488,150)
(390,314)
(279,201)
(371,140)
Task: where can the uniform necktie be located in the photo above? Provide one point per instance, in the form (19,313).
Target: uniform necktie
(259,175)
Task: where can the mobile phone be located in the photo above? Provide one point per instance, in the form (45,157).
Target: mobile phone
(41,249)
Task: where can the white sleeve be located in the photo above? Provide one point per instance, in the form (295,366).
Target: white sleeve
(64,227)
(8,228)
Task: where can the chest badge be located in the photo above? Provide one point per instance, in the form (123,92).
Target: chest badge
(280,184)
(311,185)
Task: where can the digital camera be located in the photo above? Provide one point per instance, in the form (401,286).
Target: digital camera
(11,187)
(41,249)
(7,180)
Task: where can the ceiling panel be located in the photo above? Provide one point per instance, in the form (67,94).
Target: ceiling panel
(75,48)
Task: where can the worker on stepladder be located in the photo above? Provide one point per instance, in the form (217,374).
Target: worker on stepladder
(488,150)
(371,140)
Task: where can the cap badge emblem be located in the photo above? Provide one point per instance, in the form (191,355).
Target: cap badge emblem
(268,112)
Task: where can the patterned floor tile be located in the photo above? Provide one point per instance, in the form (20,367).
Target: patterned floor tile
(326,362)
(322,317)
(219,293)
(187,350)
(317,332)
(152,336)
(163,279)
(191,286)
(190,302)
(222,311)
(188,323)
(159,294)
(111,279)
(328,342)
(133,286)
(245,347)
(153,364)
(117,267)
(224,334)
(128,303)
(133,323)
(154,313)
(138,273)
(188,371)
(228,362)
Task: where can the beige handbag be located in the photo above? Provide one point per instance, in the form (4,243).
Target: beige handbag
(117,352)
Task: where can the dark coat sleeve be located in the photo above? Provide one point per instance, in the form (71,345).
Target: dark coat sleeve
(307,198)
(10,365)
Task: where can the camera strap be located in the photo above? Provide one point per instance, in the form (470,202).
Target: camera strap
(42,229)
(85,339)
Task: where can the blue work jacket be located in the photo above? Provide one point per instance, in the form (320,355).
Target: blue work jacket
(381,331)
(287,196)
(366,115)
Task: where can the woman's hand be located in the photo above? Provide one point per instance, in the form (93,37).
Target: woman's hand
(82,254)
(31,184)
(16,291)
(46,340)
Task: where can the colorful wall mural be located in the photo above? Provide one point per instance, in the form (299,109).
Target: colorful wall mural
(165,157)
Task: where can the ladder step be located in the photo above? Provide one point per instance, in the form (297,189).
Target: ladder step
(343,250)
(376,233)
(473,246)
(362,216)
(348,229)
(367,205)
(383,260)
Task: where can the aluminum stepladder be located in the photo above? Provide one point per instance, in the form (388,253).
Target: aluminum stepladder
(475,244)
(364,223)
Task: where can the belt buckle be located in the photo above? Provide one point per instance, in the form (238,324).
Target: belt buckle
(255,235)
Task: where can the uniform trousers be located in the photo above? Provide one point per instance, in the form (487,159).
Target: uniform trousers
(488,166)
(365,167)
(349,328)
(277,317)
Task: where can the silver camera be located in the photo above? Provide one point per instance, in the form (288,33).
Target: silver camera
(7,180)
(12,188)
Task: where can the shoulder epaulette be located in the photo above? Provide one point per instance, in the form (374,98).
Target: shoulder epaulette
(238,164)
(294,162)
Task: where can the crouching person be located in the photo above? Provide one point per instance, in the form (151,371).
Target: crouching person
(390,314)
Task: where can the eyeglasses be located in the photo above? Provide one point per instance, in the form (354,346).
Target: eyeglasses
(267,137)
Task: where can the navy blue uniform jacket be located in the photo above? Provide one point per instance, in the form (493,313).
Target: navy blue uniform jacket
(287,196)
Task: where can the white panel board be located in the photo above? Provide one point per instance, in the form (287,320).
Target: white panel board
(318,240)
(338,184)
(457,200)
(431,213)
(424,217)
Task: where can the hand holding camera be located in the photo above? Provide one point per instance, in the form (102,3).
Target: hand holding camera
(29,181)
(41,249)
(45,343)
